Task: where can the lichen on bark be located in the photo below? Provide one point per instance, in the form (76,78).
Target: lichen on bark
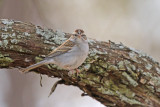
(113,74)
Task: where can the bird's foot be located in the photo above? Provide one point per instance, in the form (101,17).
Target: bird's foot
(72,72)
(78,71)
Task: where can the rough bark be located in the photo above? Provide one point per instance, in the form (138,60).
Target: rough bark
(113,74)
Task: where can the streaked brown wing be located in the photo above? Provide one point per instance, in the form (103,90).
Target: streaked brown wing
(65,47)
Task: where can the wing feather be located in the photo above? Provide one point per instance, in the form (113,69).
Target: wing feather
(65,47)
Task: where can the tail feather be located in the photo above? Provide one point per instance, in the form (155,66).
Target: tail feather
(25,70)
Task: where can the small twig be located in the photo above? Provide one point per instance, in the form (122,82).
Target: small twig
(55,85)
(110,104)
(41,80)
(84,94)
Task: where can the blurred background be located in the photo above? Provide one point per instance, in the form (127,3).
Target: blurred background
(135,23)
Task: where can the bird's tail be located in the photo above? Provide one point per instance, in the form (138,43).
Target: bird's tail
(25,70)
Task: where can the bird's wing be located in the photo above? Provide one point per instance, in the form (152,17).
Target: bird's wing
(65,47)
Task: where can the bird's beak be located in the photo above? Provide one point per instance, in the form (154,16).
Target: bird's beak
(79,36)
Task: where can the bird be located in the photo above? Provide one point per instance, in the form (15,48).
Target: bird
(69,55)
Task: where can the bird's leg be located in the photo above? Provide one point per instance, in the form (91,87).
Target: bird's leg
(78,71)
(73,71)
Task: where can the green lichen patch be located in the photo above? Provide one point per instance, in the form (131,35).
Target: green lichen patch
(52,48)
(6,55)
(60,33)
(17,21)
(92,83)
(126,91)
(7,22)
(94,52)
(106,91)
(4,43)
(126,62)
(103,64)
(51,37)
(148,66)
(125,82)
(147,74)
(135,50)
(4,28)
(158,89)
(20,36)
(97,69)
(144,59)
(128,100)
(48,42)
(121,46)
(91,41)
(1,56)
(143,55)
(26,34)
(1,44)
(112,68)
(19,49)
(58,40)
(51,66)
(133,56)
(90,60)
(5,61)
(4,35)
(130,79)
(85,67)
(133,67)
(132,73)
(139,70)
(119,90)
(121,66)
(12,35)
(111,85)
(47,34)
(130,68)
(151,88)
(14,41)
(97,46)
(158,70)
(122,89)
(38,59)
(153,80)
(90,77)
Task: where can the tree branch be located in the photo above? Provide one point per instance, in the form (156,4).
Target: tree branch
(113,74)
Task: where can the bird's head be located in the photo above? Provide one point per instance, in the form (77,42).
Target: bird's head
(79,33)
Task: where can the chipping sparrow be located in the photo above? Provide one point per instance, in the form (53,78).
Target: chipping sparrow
(69,56)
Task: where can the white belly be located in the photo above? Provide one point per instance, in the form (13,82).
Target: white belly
(73,59)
